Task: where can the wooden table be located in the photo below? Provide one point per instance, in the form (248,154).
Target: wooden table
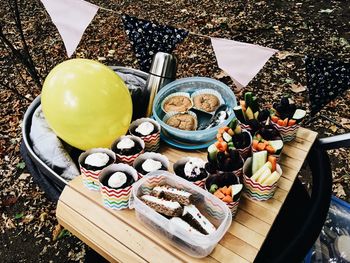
(120,237)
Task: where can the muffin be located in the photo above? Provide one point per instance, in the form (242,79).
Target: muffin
(192,169)
(91,162)
(149,131)
(127,148)
(207,100)
(115,185)
(177,102)
(149,162)
(183,121)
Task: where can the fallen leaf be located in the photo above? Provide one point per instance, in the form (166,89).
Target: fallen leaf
(23,176)
(283,54)
(63,233)
(43,216)
(27,219)
(10,201)
(9,224)
(57,230)
(339,190)
(220,75)
(326,11)
(297,88)
(333,128)
(19,215)
(289,80)
(21,165)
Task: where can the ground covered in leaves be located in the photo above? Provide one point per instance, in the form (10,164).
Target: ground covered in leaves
(29,230)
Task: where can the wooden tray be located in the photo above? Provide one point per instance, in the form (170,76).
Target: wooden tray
(120,237)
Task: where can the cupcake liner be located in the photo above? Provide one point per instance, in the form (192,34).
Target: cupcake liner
(152,141)
(151,155)
(185,94)
(254,190)
(200,183)
(170,114)
(128,159)
(116,198)
(288,133)
(90,177)
(207,91)
(246,152)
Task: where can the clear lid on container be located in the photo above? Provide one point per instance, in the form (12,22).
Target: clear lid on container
(211,207)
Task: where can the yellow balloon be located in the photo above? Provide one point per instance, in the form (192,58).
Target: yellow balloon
(86,103)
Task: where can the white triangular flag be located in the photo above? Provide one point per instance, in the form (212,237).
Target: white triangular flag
(242,61)
(71,17)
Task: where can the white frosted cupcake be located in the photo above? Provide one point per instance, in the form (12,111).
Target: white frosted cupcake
(149,131)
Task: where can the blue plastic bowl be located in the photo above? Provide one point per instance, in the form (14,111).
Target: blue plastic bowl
(191,85)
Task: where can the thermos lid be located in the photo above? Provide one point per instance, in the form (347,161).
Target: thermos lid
(164,65)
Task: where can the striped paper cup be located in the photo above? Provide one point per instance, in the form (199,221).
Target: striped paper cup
(90,177)
(152,141)
(288,133)
(254,190)
(128,159)
(116,198)
(245,127)
(246,152)
(233,206)
(182,161)
(151,155)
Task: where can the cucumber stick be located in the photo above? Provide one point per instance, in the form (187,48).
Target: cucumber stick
(212,152)
(265,175)
(259,159)
(248,98)
(273,178)
(239,114)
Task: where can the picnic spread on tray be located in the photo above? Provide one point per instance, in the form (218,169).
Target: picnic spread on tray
(194,206)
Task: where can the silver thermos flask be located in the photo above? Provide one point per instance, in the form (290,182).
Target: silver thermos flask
(162,72)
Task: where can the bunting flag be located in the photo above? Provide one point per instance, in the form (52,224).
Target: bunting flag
(326,80)
(241,61)
(71,17)
(148,38)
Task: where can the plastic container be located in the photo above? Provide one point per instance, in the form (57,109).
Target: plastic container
(190,85)
(195,245)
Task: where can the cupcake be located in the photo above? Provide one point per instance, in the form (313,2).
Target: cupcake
(91,162)
(149,162)
(149,131)
(127,148)
(115,184)
(183,121)
(177,102)
(207,100)
(191,169)
(225,187)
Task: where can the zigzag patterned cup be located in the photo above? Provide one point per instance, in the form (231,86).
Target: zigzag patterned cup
(183,161)
(128,159)
(116,198)
(246,152)
(254,190)
(90,177)
(233,206)
(288,133)
(152,141)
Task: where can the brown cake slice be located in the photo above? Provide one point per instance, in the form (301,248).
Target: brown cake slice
(198,221)
(173,194)
(162,206)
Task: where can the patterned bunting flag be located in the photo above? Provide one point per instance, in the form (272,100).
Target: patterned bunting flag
(326,79)
(242,61)
(148,38)
(71,17)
